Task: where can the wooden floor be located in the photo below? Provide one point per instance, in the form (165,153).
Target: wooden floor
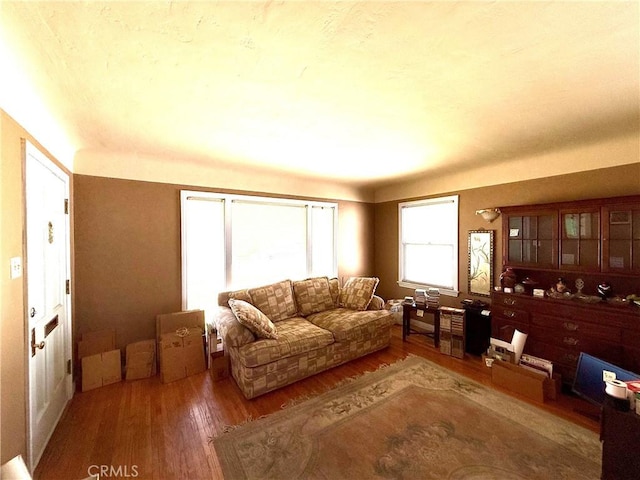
(146,429)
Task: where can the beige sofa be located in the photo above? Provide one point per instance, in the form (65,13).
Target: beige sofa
(280,333)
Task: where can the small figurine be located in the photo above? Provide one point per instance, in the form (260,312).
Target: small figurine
(508,278)
(561,285)
(604,290)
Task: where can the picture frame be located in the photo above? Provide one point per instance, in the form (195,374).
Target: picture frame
(480,275)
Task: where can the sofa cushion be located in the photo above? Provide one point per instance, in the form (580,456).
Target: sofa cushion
(275,300)
(377,303)
(253,319)
(334,287)
(295,336)
(358,292)
(223,297)
(312,295)
(347,325)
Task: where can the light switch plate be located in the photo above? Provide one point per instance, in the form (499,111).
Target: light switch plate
(16,267)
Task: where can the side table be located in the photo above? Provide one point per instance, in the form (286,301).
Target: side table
(417,312)
(620,435)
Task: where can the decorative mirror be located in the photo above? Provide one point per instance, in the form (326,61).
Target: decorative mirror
(480,262)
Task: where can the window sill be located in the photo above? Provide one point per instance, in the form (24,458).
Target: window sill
(443,291)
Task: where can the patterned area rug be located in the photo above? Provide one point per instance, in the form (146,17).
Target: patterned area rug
(412,419)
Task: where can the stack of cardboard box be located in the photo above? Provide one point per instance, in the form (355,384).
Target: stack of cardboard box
(141,360)
(181,344)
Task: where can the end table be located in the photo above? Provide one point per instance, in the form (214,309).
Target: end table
(417,311)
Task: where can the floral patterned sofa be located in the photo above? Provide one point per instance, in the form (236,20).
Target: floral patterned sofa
(280,333)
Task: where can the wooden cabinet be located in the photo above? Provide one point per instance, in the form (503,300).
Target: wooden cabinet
(580,239)
(621,238)
(531,238)
(589,236)
(559,330)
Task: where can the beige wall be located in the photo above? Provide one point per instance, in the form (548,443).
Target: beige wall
(608,182)
(12,324)
(127,252)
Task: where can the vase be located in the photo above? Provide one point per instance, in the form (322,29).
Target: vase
(508,278)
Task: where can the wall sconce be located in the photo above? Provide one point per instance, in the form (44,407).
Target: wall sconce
(489,214)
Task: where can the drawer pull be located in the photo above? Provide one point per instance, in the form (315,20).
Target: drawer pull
(510,313)
(570,341)
(509,301)
(570,326)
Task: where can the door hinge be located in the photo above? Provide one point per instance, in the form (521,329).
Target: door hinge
(69,367)
(68,287)
(66,206)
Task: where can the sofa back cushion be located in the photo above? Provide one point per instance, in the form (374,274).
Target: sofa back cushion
(334,287)
(357,292)
(313,295)
(223,297)
(275,300)
(253,319)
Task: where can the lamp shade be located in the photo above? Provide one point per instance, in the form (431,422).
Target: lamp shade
(489,214)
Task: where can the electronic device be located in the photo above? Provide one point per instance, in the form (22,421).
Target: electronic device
(589,380)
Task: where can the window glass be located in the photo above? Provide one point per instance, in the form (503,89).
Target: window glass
(429,244)
(231,242)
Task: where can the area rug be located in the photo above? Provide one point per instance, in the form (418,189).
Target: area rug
(409,420)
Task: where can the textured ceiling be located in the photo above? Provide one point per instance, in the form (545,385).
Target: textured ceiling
(362,92)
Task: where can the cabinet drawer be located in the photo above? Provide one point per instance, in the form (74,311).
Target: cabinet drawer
(511,301)
(557,322)
(609,352)
(631,359)
(566,339)
(557,354)
(510,313)
(503,328)
(600,332)
(631,339)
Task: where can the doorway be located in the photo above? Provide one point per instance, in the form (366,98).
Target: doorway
(48,305)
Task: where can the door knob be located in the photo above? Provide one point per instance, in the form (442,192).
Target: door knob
(32,312)
(35,346)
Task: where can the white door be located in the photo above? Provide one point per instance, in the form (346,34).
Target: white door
(48,316)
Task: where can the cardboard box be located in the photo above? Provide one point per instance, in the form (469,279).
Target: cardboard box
(100,360)
(219,363)
(101,369)
(141,360)
(181,344)
(532,385)
(93,343)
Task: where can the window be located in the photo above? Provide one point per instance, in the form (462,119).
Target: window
(231,242)
(429,244)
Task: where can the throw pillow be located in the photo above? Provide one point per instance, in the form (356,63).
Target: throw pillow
(253,319)
(275,300)
(313,295)
(358,292)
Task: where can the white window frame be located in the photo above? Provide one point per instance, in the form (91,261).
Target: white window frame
(444,290)
(228,200)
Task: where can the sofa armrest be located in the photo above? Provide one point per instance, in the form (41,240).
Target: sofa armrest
(233,333)
(376,303)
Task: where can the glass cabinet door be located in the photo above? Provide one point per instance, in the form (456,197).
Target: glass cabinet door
(580,240)
(532,239)
(621,239)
